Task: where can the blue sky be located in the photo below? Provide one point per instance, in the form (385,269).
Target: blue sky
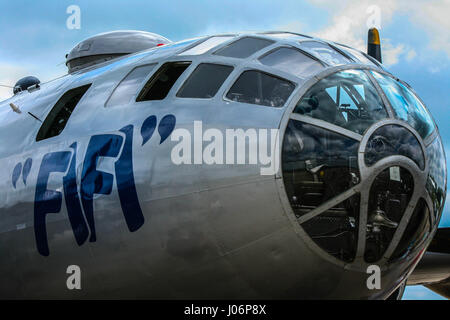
(416,44)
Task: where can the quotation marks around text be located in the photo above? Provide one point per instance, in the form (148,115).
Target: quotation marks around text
(23,170)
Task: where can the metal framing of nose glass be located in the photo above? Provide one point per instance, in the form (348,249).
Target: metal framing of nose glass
(368,175)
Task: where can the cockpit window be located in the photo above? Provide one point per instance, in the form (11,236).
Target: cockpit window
(128,87)
(324,52)
(292,61)
(357,55)
(58,117)
(256,87)
(406,105)
(347,99)
(162,81)
(205,81)
(244,47)
(206,45)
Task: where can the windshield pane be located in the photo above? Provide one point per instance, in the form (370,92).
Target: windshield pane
(205,81)
(243,47)
(406,105)
(292,61)
(319,165)
(162,81)
(256,87)
(129,86)
(206,45)
(358,55)
(390,140)
(324,52)
(347,99)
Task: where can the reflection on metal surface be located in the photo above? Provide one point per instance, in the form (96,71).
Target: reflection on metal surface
(392,140)
(106,46)
(389,196)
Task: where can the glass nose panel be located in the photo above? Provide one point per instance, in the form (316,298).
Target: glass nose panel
(406,105)
(418,228)
(323,172)
(437,178)
(389,197)
(393,140)
(317,165)
(336,230)
(347,99)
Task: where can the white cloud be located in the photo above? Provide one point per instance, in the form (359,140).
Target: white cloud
(391,54)
(350,23)
(350,18)
(411,55)
(433,17)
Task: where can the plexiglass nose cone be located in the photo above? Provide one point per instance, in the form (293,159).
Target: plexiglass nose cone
(363,169)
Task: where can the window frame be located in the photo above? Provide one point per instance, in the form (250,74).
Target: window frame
(43,136)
